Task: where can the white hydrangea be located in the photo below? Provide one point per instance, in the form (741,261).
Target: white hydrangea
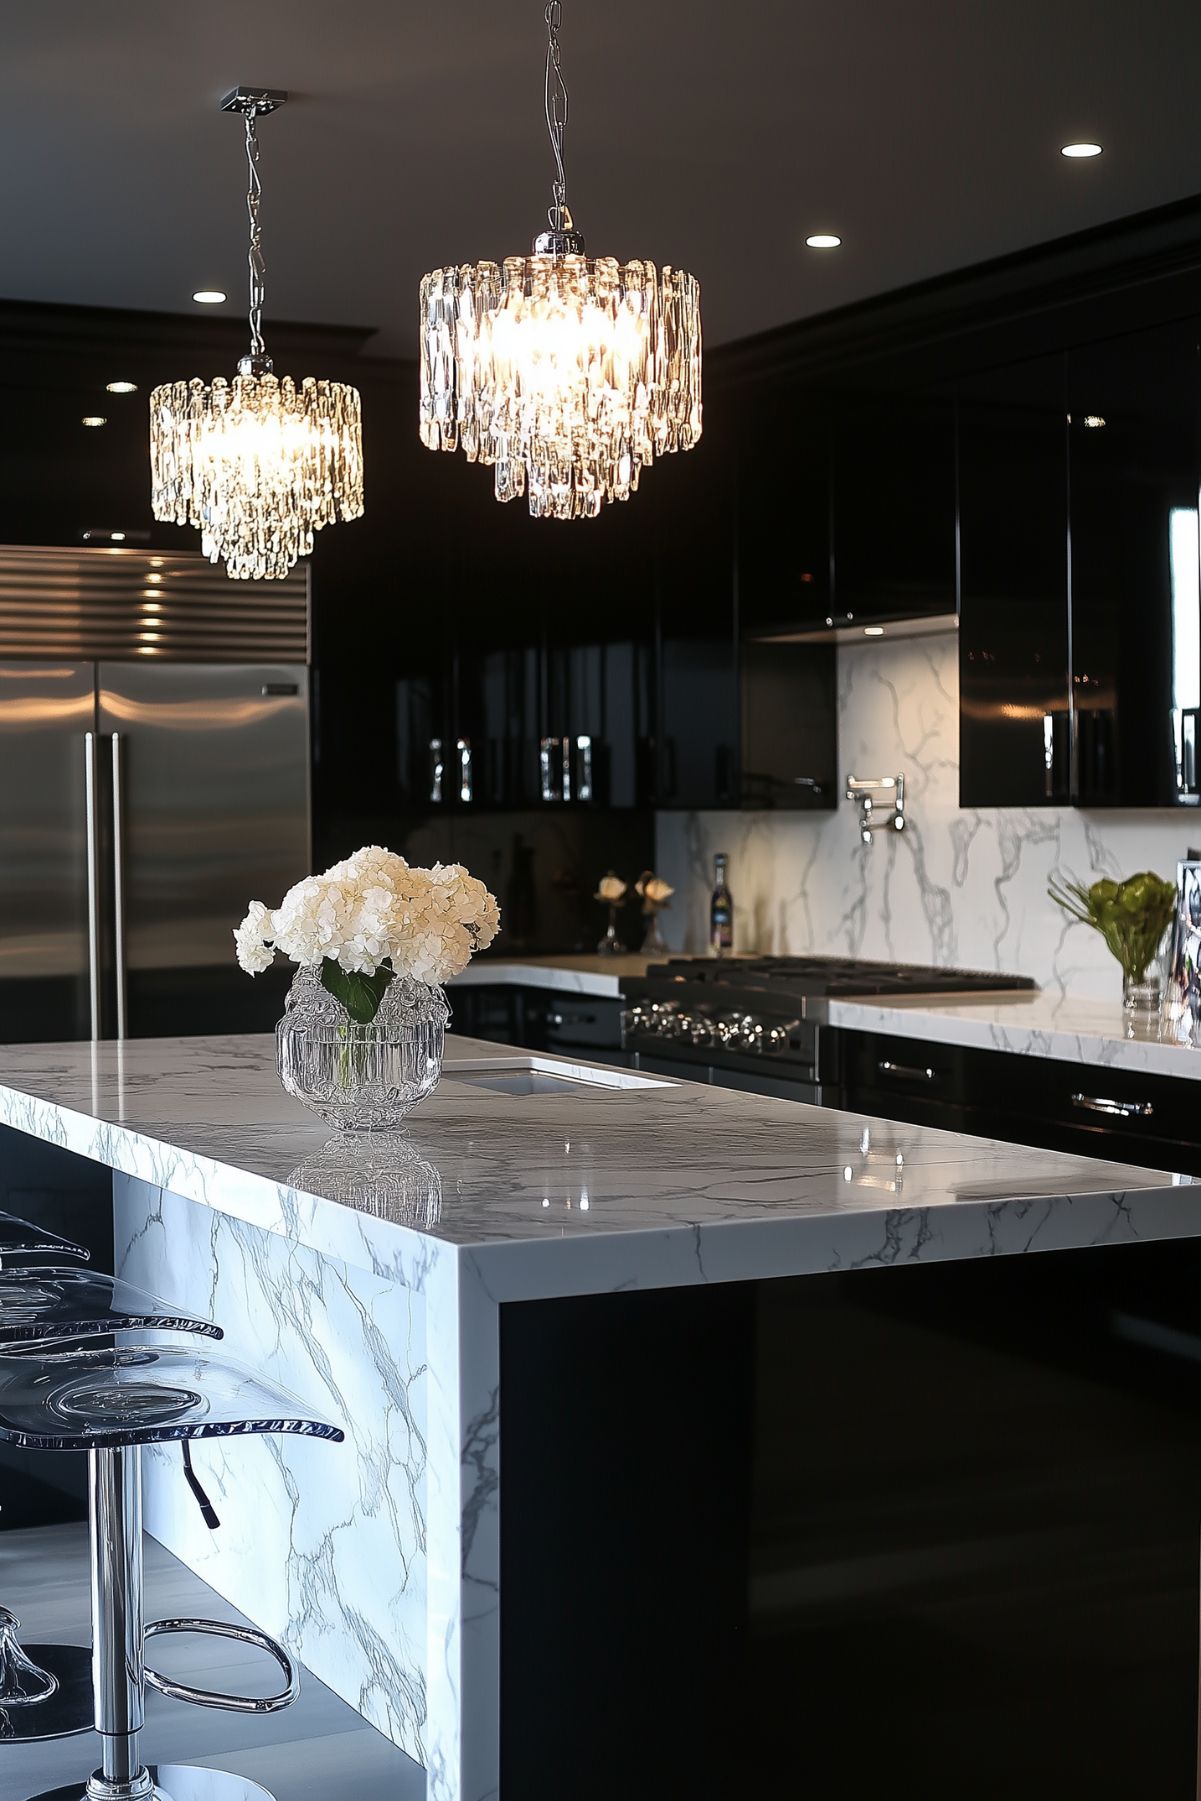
(375,908)
(254,940)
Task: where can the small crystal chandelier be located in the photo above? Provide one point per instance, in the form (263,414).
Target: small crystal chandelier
(261,462)
(568,374)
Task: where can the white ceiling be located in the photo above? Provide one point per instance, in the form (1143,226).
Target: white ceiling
(709,134)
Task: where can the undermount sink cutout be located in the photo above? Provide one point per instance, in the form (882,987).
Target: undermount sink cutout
(531,1076)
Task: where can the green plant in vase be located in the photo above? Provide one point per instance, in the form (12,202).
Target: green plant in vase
(1132,917)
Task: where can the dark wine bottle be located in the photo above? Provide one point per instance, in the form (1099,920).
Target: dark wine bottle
(721,910)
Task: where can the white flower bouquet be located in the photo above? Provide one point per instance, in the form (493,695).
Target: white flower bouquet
(369,919)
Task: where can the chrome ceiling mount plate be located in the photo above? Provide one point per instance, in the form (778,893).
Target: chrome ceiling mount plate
(253,100)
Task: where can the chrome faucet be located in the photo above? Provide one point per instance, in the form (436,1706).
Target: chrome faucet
(881,803)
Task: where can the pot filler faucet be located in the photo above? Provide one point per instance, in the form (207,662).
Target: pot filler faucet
(881,803)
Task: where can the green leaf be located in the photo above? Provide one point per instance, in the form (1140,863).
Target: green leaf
(359,994)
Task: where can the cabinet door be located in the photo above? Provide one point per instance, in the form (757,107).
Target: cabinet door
(894,507)
(1014,721)
(1136,666)
(784,514)
(491,758)
(698,694)
(598,631)
(424,742)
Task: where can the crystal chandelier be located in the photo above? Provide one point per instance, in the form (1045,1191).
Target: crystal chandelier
(568,374)
(261,462)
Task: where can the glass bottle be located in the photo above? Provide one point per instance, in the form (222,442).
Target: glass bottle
(721,909)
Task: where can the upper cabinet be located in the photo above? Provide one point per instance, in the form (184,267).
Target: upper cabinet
(1014,722)
(1133,408)
(1080,620)
(893,490)
(784,513)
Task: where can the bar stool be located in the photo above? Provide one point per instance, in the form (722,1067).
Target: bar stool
(46,1690)
(110,1403)
(18,1238)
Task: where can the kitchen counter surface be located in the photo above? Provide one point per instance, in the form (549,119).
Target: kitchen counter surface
(576,973)
(598,1177)
(1036,1024)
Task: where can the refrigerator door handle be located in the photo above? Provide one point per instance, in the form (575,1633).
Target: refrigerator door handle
(119,889)
(93,863)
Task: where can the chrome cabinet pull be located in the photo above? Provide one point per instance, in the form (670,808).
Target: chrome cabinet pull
(463,750)
(437,771)
(583,781)
(546,767)
(554,763)
(119,960)
(1097,1103)
(93,861)
(904,1072)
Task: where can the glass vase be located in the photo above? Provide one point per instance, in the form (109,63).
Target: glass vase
(653,944)
(611,945)
(1142,995)
(361,1078)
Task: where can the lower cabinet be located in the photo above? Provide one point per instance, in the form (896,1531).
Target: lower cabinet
(540,1019)
(1119,1115)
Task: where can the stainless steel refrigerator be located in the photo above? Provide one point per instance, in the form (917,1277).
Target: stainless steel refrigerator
(154,778)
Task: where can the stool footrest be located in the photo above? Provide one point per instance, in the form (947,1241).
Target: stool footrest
(245,1635)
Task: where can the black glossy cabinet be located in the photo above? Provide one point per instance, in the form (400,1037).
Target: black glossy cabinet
(696,586)
(596,623)
(784,504)
(1133,404)
(893,491)
(1080,622)
(1014,733)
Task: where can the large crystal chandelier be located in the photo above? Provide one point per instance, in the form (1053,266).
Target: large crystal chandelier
(568,374)
(261,462)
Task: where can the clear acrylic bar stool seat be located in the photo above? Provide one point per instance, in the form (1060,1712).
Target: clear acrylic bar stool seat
(46,1690)
(19,1238)
(110,1403)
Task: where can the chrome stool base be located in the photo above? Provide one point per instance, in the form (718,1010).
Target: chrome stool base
(172,1782)
(67,1710)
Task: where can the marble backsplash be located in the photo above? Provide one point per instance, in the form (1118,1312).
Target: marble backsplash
(959,887)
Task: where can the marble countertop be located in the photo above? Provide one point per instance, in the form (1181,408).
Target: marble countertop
(575,973)
(585,1184)
(1034,1024)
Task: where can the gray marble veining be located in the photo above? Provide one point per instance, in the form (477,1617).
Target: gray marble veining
(961,887)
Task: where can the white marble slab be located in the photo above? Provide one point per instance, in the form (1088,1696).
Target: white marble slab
(1070,1030)
(553,1192)
(579,973)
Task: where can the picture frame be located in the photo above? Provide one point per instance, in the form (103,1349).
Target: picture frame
(1182,989)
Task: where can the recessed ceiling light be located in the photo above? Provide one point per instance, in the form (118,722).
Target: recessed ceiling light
(1094,421)
(823,240)
(116,537)
(209,296)
(873,631)
(93,419)
(1077,150)
(120,387)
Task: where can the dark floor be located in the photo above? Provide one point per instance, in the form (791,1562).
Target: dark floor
(316,1750)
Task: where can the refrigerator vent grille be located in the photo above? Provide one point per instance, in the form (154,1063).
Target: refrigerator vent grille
(137,604)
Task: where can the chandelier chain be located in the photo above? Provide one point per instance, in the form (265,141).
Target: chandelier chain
(256,266)
(558,216)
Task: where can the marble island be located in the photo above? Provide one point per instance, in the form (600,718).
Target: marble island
(377,1276)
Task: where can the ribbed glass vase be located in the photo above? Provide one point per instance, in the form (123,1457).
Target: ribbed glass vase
(361,1078)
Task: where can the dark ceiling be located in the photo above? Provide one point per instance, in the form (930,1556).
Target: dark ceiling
(711,135)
